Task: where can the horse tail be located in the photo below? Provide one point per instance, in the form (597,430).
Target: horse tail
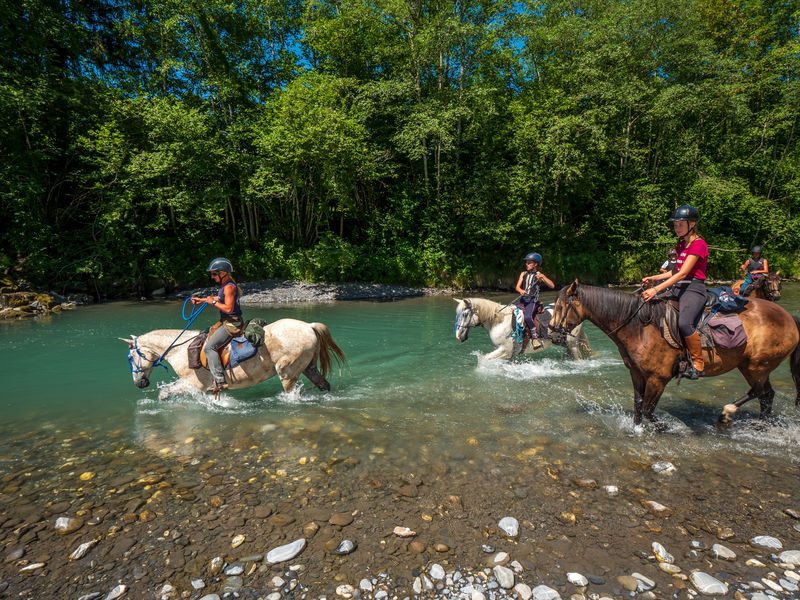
(795,365)
(326,347)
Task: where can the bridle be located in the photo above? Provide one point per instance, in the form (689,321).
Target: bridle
(136,359)
(464,319)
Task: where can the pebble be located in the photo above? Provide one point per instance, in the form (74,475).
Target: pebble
(645,584)
(198,584)
(663,468)
(789,586)
(790,557)
(215,566)
(577,579)
(542,592)
(341,519)
(403,532)
(754,562)
(767,542)
(661,553)
(771,585)
(365,585)
(345,547)
(237,541)
(500,558)
(708,585)
(629,583)
(510,526)
(669,568)
(523,590)
(795,514)
(487,548)
(611,490)
(15,554)
(792,575)
(117,592)
(274,596)
(285,552)
(504,576)
(656,508)
(436,572)
(721,552)
(81,550)
(234,570)
(345,591)
(232,584)
(91,596)
(65,525)
(210,597)
(32,567)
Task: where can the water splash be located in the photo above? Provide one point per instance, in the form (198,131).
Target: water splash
(544,368)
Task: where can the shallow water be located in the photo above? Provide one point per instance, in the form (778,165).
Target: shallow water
(411,408)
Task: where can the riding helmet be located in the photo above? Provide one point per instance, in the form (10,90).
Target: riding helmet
(756,250)
(685,212)
(534,256)
(220,264)
(672,252)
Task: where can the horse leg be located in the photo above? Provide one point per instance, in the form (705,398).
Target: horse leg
(654,387)
(726,417)
(638,392)
(288,378)
(313,374)
(759,382)
(765,400)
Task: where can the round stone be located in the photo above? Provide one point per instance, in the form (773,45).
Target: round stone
(708,585)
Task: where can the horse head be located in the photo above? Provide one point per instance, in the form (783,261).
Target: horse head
(772,286)
(567,313)
(466,318)
(140,363)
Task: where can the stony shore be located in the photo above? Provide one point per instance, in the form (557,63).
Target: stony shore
(29,305)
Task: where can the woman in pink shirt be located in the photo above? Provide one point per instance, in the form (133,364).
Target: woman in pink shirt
(689,281)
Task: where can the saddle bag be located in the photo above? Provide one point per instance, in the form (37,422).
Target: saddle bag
(241,350)
(194,349)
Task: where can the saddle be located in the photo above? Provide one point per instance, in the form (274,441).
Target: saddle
(719,324)
(234,352)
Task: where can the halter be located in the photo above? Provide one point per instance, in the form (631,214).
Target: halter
(135,364)
(464,318)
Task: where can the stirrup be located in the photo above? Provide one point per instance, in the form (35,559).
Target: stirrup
(692,373)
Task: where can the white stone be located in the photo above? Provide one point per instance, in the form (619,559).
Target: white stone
(669,568)
(523,591)
(500,558)
(278,582)
(81,550)
(771,585)
(365,585)
(166,589)
(237,540)
(790,557)
(516,566)
(754,562)
(274,595)
(767,542)
(792,575)
(720,551)
(117,592)
(510,525)
(437,572)
(663,468)
(577,579)
(198,584)
(286,552)
(789,586)
(760,596)
(504,576)
(708,585)
(476,595)
(417,586)
(542,592)
(210,597)
(661,553)
(345,591)
(234,570)
(403,532)
(31,567)
(611,490)
(645,584)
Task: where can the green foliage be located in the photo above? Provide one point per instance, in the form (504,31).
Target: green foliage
(399,141)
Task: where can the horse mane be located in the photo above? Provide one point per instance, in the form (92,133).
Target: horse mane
(488,310)
(615,306)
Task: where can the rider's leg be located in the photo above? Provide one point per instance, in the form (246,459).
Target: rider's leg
(529,316)
(215,341)
(747,281)
(690,306)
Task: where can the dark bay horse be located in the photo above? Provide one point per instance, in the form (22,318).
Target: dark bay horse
(772,335)
(767,287)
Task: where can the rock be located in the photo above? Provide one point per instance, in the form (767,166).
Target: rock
(721,552)
(198,584)
(436,572)
(66,525)
(629,583)
(771,585)
(32,567)
(754,562)
(117,592)
(510,526)
(790,557)
(365,585)
(231,585)
(345,591)
(661,553)
(504,576)
(577,579)
(81,550)
(277,582)
(285,552)
(487,548)
(210,597)
(766,542)
(234,570)
(523,591)
(215,566)
(725,533)
(567,518)
(500,558)
(440,547)
(346,547)
(669,568)
(589,484)
(542,592)
(92,596)
(789,586)
(656,508)
(611,490)
(663,468)
(341,519)
(403,532)
(645,584)
(708,585)
(237,541)
(274,596)
(14,554)
(795,514)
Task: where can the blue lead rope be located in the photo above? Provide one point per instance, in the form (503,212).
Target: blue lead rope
(159,362)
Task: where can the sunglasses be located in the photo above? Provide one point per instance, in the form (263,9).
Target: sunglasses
(215,273)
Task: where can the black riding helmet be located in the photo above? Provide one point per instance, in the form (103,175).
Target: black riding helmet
(220,264)
(756,250)
(685,212)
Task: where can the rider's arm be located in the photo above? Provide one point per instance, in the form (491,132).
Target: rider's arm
(519,289)
(230,299)
(764,270)
(547,280)
(659,277)
(744,265)
(688,265)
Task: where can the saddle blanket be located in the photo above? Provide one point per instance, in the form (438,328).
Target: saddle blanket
(727,331)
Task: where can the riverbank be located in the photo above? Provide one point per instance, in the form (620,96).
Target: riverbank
(30,305)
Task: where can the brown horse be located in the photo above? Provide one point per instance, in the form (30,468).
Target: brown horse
(768,287)
(772,335)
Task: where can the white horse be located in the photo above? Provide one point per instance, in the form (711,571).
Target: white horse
(290,348)
(498,320)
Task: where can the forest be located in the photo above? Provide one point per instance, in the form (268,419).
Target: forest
(424,142)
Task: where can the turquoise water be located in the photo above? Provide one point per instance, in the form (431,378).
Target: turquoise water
(407,379)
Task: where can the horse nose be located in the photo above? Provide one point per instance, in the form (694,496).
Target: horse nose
(143,383)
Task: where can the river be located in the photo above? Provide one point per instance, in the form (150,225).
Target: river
(412,434)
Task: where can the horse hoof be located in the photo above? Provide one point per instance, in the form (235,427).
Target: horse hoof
(729,410)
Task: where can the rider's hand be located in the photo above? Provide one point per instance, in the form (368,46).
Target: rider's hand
(646,281)
(649,294)
(196,300)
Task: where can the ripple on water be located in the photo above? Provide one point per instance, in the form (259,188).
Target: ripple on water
(543,368)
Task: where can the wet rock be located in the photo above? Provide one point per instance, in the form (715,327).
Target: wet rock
(663,468)
(771,585)
(790,557)
(543,592)
(403,532)
(645,584)
(523,591)
(285,552)
(81,550)
(436,572)
(488,549)
(661,553)
(789,586)
(510,526)
(14,554)
(629,583)
(66,525)
(341,519)
(345,547)
(237,540)
(416,547)
(197,584)
(577,579)
(611,490)
(504,576)
(723,553)
(365,585)
(215,566)
(708,585)
(231,585)
(656,508)
(117,592)
(234,569)
(32,567)
(596,580)
(766,542)
(669,568)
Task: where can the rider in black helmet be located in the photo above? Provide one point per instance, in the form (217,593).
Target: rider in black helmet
(672,260)
(528,290)
(230,321)
(756,267)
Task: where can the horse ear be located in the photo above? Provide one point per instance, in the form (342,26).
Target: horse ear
(777,273)
(457,300)
(467,303)
(573,287)
(127,341)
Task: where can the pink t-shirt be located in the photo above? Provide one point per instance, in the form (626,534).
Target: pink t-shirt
(700,249)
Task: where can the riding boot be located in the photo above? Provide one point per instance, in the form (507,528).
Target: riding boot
(696,364)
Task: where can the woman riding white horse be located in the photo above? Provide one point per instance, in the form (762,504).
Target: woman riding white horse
(291,348)
(506,333)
